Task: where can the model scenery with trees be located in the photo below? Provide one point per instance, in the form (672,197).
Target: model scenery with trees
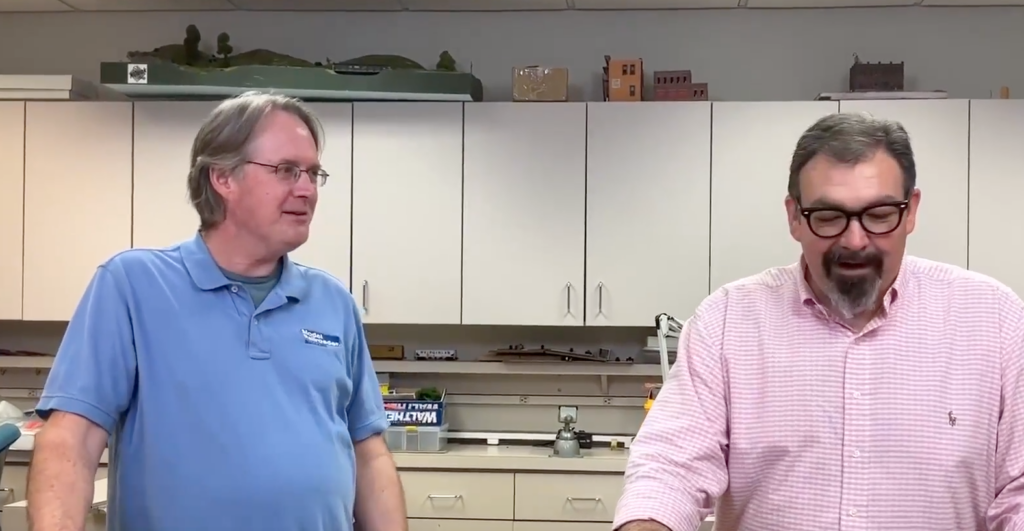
(190,54)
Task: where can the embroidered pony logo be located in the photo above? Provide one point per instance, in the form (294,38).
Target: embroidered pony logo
(952,418)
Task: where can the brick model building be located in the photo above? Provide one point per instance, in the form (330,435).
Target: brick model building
(875,77)
(678,85)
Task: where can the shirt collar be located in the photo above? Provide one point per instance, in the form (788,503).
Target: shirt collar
(207,275)
(807,297)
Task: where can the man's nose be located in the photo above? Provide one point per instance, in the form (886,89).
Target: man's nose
(855,237)
(304,187)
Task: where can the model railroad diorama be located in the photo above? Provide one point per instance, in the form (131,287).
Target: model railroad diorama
(544,354)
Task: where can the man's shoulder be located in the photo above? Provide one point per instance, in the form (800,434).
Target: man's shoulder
(932,279)
(320,279)
(754,292)
(145,260)
(324,289)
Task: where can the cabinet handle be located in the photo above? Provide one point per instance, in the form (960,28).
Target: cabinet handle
(366,287)
(568,297)
(570,499)
(444,496)
(600,297)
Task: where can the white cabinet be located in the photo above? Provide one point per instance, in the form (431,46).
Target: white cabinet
(12,182)
(407,212)
(648,214)
(938,132)
(329,245)
(751,147)
(164,131)
(524,213)
(997,191)
(78,199)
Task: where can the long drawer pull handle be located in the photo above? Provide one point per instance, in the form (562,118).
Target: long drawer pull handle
(445,496)
(571,499)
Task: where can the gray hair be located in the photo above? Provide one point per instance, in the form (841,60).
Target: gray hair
(224,139)
(850,138)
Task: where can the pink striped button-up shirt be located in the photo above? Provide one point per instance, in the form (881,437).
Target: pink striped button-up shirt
(793,422)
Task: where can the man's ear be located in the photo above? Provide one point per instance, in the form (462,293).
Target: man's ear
(793,217)
(911,220)
(221,180)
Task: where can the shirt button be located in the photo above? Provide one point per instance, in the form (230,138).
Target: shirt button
(234,289)
(853,512)
(856,453)
(856,394)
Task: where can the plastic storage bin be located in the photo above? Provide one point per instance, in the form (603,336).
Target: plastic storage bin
(417,438)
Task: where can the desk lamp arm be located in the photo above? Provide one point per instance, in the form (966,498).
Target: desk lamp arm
(667,327)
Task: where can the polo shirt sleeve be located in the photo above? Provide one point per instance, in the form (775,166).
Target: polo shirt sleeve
(365,410)
(93,375)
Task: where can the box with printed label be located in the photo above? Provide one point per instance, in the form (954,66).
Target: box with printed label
(414,412)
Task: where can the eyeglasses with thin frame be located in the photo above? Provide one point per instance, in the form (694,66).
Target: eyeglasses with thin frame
(828,222)
(290,172)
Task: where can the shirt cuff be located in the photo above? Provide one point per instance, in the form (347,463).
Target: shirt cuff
(369,429)
(96,415)
(660,505)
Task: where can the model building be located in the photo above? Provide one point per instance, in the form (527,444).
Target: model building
(678,85)
(623,79)
(875,77)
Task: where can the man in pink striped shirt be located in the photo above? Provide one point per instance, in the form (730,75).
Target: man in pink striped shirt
(857,389)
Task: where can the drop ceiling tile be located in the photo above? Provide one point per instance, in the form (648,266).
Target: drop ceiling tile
(31,6)
(318,5)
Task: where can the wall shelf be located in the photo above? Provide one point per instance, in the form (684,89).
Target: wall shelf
(26,362)
(571,368)
(574,368)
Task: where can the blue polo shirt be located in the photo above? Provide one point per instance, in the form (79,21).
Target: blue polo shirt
(222,416)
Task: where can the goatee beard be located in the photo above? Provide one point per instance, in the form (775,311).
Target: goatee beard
(856,293)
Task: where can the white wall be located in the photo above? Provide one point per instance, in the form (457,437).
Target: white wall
(743,54)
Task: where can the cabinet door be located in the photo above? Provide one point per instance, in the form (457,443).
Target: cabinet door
(751,147)
(648,211)
(407,212)
(78,199)
(939,135)
(12,193)
(329,246)
(997,191)
(164,131)
(524,214)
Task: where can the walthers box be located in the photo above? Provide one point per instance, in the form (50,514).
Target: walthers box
(415,412)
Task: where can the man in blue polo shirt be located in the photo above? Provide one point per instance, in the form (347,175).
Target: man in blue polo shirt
(234,385)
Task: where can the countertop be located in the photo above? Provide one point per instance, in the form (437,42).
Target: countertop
(513,458)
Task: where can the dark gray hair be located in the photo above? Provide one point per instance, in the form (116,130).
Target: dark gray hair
(849,138)
(224,139)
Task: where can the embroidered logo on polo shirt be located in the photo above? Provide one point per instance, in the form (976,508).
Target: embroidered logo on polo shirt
(320,339)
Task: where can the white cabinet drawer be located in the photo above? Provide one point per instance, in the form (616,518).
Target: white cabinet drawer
(458,495)
(567,497)
(432,524)
(707,525)
(560,526)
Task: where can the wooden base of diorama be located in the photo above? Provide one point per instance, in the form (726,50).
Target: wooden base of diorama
(164,81)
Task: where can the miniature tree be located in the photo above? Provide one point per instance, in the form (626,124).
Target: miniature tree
(224,48)
(446,63)
(192,40)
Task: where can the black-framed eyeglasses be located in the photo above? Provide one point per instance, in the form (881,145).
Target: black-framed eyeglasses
(290,172)
(876,219)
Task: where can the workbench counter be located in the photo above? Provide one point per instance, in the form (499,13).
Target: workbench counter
(473,457)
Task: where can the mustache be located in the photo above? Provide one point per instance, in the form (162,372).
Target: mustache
(840,256)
